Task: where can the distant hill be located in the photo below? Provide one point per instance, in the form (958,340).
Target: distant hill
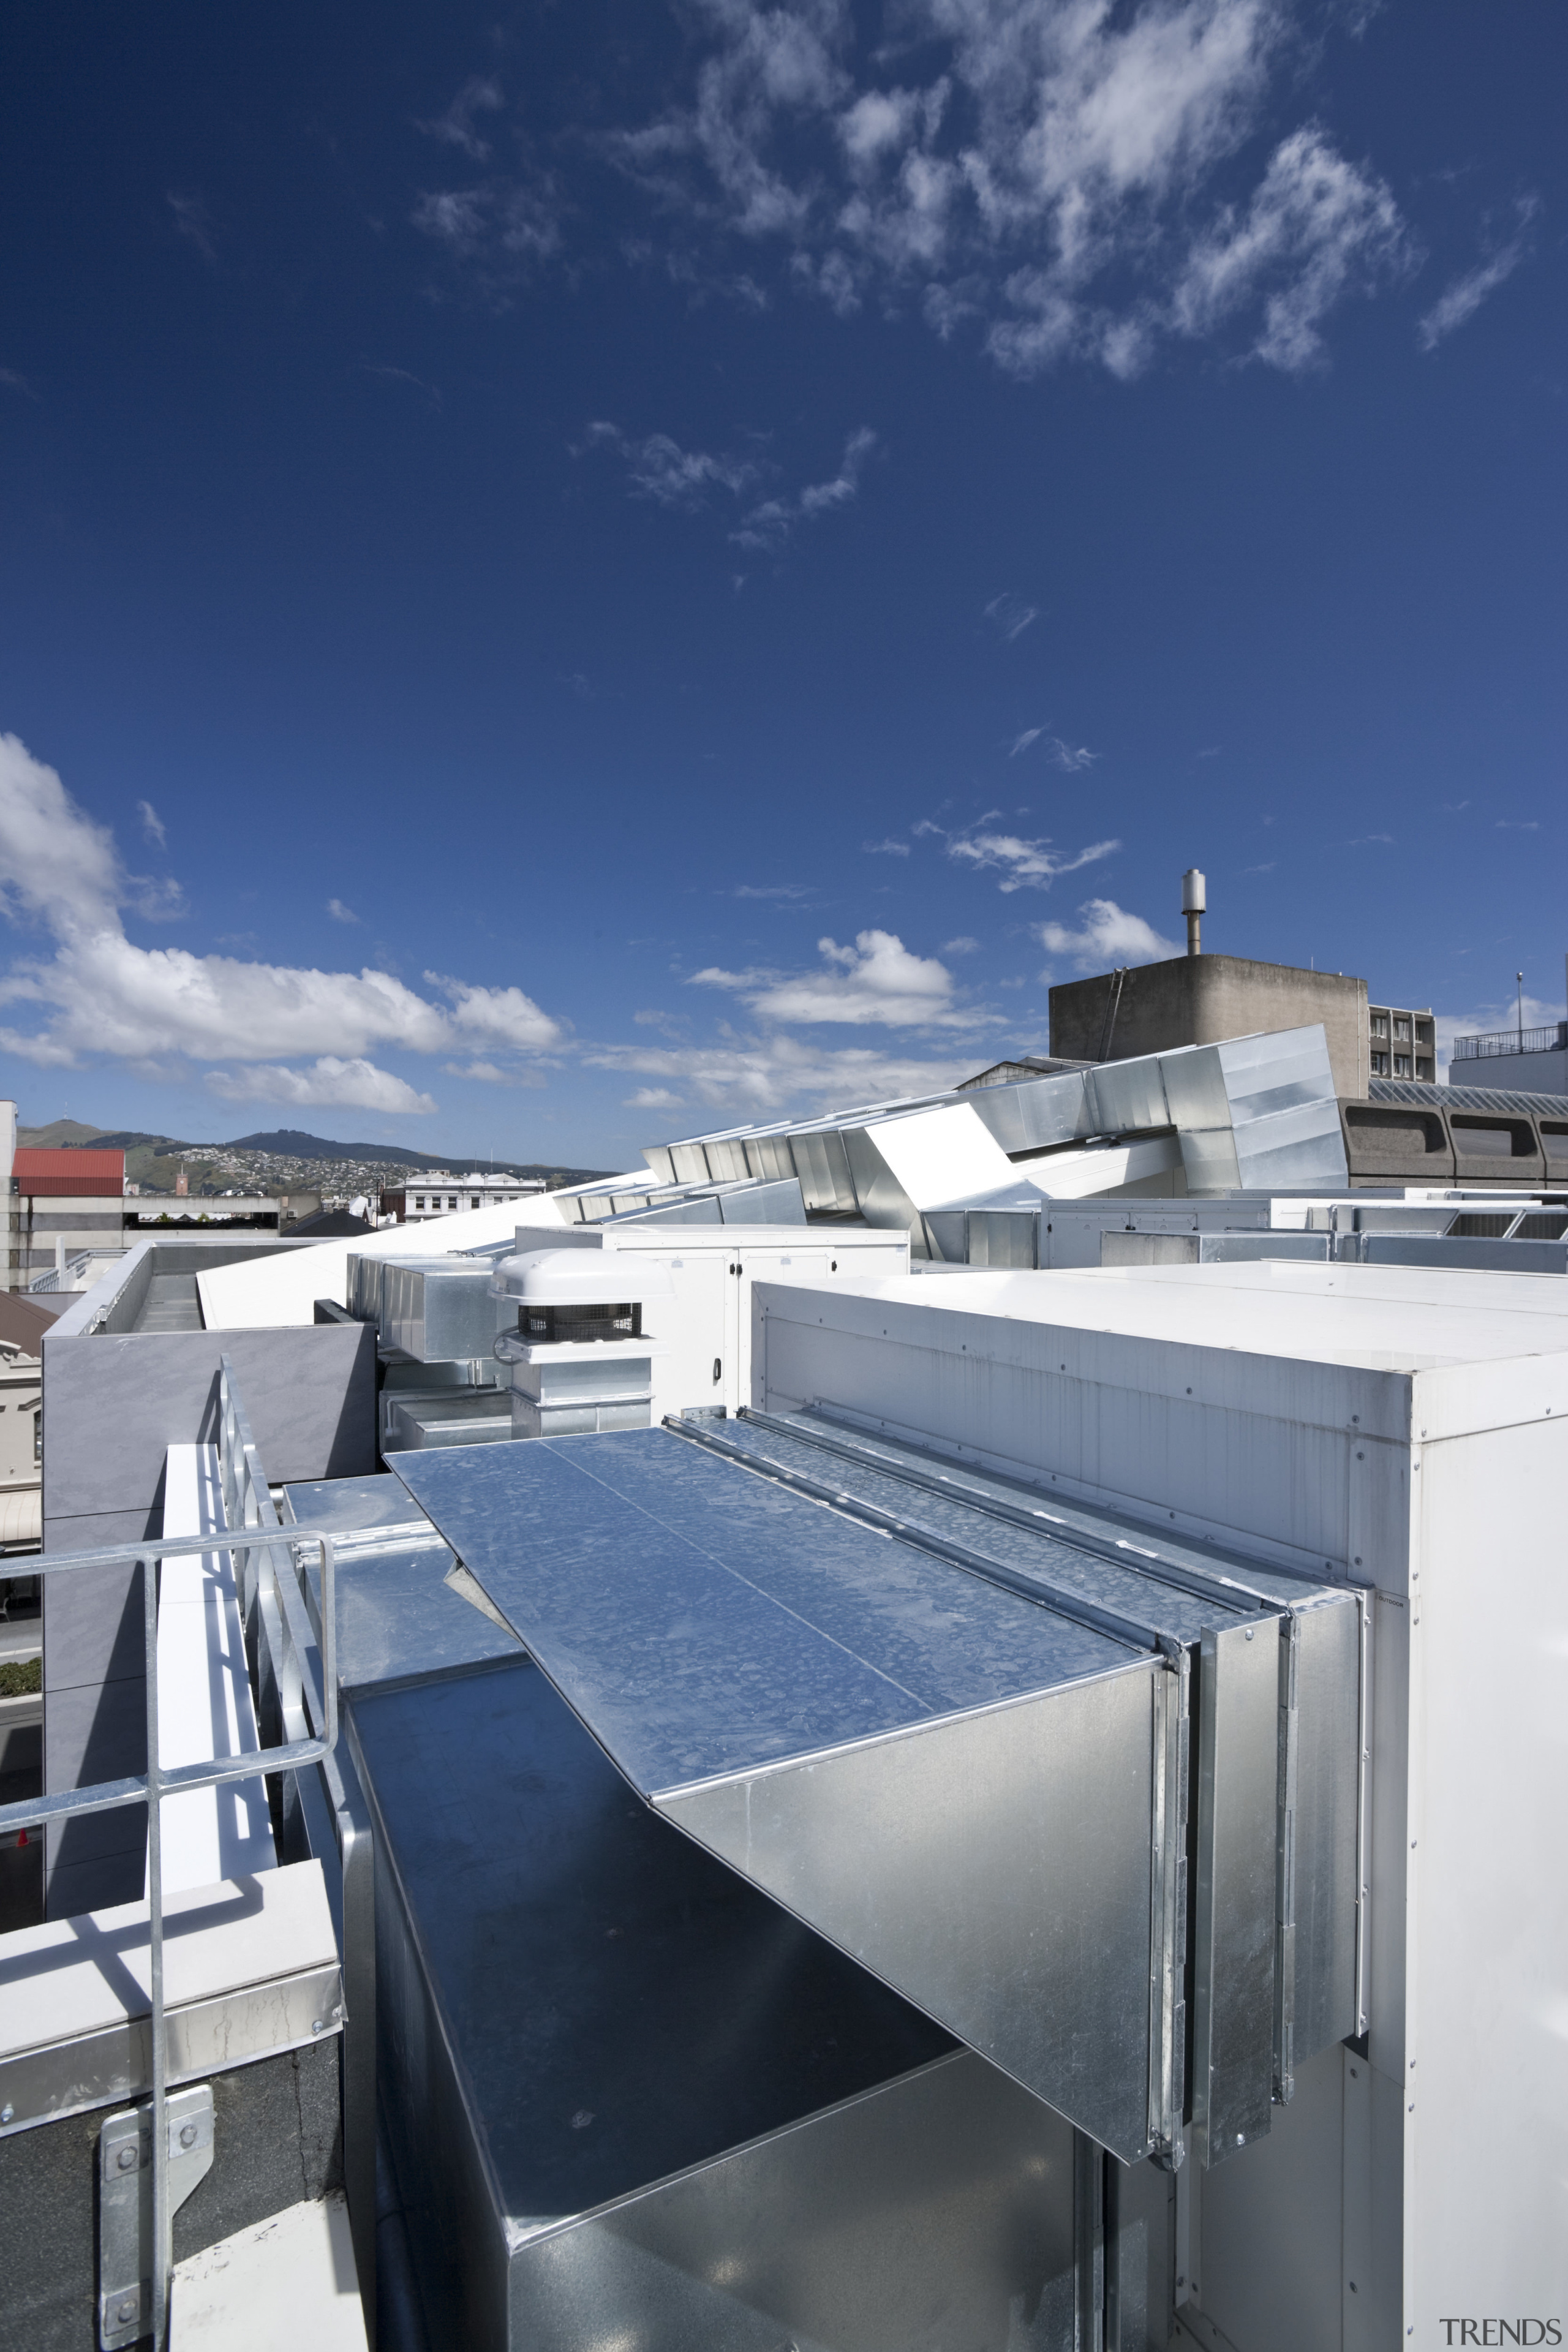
(291,1143)
(280,1143)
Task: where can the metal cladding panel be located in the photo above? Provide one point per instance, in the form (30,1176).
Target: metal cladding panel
(726,1157)
(1323,1889)
(963,1792)
(1209,1160)
(879,1197)
(942,1154)
(440,1314)
(1124,1096)
(1194,1079)
(940,2204)
(1037,1113)
(704,1622)
(769,1156)
(585,2160)
(765,1204)
(995,1869)
(1235,1922)
(689,1163)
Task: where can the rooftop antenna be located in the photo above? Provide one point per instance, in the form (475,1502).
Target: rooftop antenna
(1195,900)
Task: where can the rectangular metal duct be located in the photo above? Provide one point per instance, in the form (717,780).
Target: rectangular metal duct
(954,1754)
(633,2104)
(438,1310)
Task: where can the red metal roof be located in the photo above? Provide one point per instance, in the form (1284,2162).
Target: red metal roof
(67,1174)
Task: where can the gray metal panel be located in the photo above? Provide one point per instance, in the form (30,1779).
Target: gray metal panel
(994,1868)
(764,1204)
(1037,1113)
(1327,1634)
(586,2160)
(1234,1915)
(1454,1250)
(439,1313)
(879,1197)
(933,2213)
(705,1623)
(1124,1096)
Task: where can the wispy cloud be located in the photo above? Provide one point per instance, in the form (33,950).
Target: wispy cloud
(458,126)
(661,470)
(789,890)
(428,394)
(1023,865)
(1463,298)
(753,1076)
(876,981)
(152,824)
(1072,759)
(13,381)
(892,848)
(961,946)
(770,524)
(1106,935)
(1055,175)
(1022,743)
(1261,869)
(1517,824)
(191,222)
(340,913)
(1010,616)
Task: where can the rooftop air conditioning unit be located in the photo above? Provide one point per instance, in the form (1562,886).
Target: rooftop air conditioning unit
(578,1360)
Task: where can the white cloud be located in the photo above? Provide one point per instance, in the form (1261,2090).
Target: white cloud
(889,848)
(878,979)
(754,1077)
(1058,175)
(458,126)
(653,1098)
(152,824)
(503,229)
(769,525)
(191,222)
(100,994)
(490,1074)
(340,913)
(659,469)
(329,1084)
(1072,761)
(1463,298)
(1317,229)
(1022,864)
(1022,743)
(1109,935)
(964,946)
(1010,616)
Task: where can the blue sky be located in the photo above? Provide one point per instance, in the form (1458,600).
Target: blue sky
(575,574)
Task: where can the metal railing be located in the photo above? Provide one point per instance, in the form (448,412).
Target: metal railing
(297,1633)
(1553,1038)
(58,1275)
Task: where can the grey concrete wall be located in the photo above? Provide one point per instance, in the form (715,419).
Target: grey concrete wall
(1202,999)
(112,1405)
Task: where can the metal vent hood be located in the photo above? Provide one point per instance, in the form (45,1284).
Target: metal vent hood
(1092,1803)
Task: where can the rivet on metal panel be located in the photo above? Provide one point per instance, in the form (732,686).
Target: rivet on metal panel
(315,2022)
(6,2112)
(1250,1628)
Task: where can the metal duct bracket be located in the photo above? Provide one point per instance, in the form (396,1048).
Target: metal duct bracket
(125,2204)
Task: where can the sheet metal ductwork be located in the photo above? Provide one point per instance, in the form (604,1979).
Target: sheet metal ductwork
(1092,1804)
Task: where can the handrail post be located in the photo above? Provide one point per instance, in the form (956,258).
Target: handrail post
(162,2248)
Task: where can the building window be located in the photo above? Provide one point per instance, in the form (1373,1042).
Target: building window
(1401,1065)
(420,1201)
(1402,1029)
(473,1200)
(451,1200)
(1380,1066)
(1423,1069)
(1380,1024)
